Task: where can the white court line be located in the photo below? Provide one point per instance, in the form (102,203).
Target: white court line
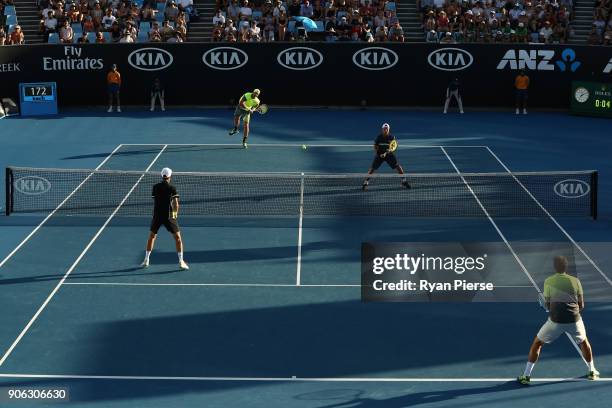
(298,274)
(43,222)
(265,285)
(582,251)
(76,262)
(291,379)
(518,260)
(237,145)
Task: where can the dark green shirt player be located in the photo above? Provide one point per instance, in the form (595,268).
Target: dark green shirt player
(165,212)
(383,153)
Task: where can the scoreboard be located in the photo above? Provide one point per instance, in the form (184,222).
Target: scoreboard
(591,98)
(38,98)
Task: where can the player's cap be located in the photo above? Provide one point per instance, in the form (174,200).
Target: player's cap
(386,126)
(257,91)
(166,172)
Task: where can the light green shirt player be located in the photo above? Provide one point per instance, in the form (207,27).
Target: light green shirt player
(564,300)
(247,104)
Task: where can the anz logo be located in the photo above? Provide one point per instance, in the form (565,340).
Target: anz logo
(540,60)
(300,58)
(32,185)
(572,188)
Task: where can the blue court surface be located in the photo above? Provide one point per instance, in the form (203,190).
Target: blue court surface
(270,315)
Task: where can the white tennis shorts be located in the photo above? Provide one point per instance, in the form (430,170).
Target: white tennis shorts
(550,331)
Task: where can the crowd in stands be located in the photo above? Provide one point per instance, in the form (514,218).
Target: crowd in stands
(601,31)
(14,36)
(493,21)
(118,21)
(292,20)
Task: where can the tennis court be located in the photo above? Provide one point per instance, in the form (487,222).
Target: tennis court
(270,312)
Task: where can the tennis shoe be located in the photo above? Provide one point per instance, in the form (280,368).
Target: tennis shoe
(119,109)
(233,131)
(245,145)
(405,184)
(183,265)
(145,263)
(110,109)
(524,380)
(593,375)
(364,186)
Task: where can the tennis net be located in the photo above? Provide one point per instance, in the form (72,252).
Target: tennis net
(88,192)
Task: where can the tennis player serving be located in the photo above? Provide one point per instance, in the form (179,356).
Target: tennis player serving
(248,103)
(384,147)
(165,212)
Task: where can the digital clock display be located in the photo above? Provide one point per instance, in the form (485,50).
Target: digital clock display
(38,93)
(591,98)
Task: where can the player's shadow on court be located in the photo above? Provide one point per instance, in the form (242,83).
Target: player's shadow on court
(425,397)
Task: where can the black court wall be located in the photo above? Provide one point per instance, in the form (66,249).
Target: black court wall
(307,74)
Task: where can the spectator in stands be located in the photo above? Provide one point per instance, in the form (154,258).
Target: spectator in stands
(166,31)
(83,39)
(3,40)
(97,14)
(269,28)
(233,11)
(74,15)
(126,37)
(594,38)
(17,37)
(282,21)
(49,24)
(546,32)
(218,18)
(522,33)
(100,38)
(171,12)
(113,80)
(448,38)
(246,12)
(175,38)
(108,20)
(432,36)
(396,33)
(115,32)
(331,35)
(154,30)
(88,25)
(306,9)
(147,13)
(155,37)
(294,8)
(217,33)
(66,33)
(230,29)
(608,36)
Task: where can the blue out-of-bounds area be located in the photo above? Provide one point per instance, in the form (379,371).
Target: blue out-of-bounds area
(270,312)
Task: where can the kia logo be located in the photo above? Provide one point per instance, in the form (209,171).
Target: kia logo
(225,58)
(32,185)
(300,58)
(375,58)
(150,59)
(450,59)
(572,188)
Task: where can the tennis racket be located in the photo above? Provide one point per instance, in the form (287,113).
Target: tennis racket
(391,149)
(262,109)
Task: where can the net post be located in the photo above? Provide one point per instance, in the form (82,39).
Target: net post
(594,187)
(8,187)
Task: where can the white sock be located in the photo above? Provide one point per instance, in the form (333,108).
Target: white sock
(528,369)
(592,365)
(147,255)
(180,256)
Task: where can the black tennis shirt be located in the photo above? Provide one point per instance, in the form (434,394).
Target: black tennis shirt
(163,194)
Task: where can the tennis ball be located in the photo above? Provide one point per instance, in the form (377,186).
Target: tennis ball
(304,147)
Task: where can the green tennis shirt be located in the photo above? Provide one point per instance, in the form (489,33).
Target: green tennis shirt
(562,291)
(250,101)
